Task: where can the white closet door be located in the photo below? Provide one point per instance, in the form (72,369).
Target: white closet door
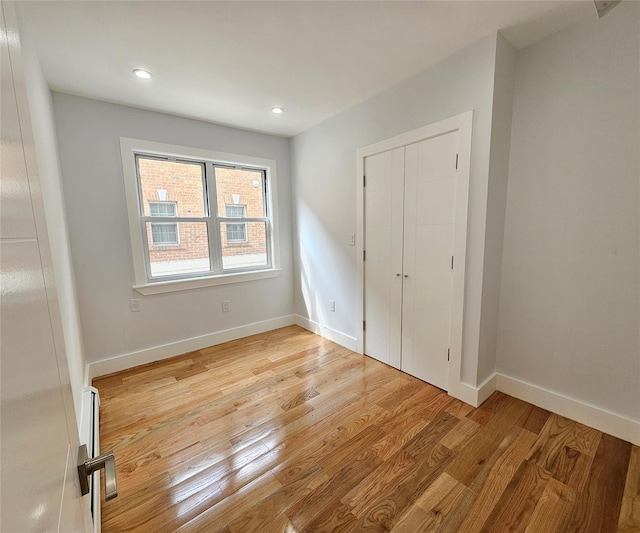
(430,199)
(383,226)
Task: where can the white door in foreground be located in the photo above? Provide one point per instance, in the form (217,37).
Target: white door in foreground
(40,489)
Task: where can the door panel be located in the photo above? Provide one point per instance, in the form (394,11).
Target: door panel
(436,202)
(379,244)
(436,249)
(383,223)
(34,428)
(436,157)
(409,258)
(432,288)
(430,187)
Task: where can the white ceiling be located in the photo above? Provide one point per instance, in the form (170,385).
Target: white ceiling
(230,62)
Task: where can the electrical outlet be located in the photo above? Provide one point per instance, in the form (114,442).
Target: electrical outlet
(332,305)
(134,305)
(226,306)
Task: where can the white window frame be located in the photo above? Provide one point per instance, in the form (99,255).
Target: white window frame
(143,282)
(175,214)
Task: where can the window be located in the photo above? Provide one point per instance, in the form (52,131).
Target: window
(198,218)
(164,233)
(163,209)
(236,232)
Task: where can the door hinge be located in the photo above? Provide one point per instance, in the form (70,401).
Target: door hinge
(364,325)
(448,353)
(456,161)
(451,262)
(364,180)
(364,255)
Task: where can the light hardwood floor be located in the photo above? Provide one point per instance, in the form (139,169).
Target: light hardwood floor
(288,432)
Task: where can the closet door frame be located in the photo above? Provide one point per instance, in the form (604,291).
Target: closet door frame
(461,123)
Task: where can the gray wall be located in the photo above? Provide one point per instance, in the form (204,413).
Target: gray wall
(88,137)
(324,171)
(68,337)
(569,314)
(496,206)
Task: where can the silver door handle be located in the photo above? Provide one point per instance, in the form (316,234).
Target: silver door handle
(87,466)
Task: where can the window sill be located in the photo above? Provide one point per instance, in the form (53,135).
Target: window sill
(160,287)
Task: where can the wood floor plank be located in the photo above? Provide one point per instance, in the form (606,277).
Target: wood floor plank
(534,419)
(336,517)
(497,422)
(306,509)
(286,431)
(460,434)
(630,510)
(365,493)
(551,509)
(212,517)
(599,507)
(500,471)
(519,500)
(440,508)
(394,500)
(559,432)
(398,435)
(261,515)
(459,409)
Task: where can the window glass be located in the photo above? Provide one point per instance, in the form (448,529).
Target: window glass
(239,186)
(178,248)
(171,183)
(244,247)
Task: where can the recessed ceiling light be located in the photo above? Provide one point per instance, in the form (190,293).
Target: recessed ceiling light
(277,110)
(144,74)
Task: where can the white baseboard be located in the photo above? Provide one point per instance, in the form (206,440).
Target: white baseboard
(325,331)
(595,417)
(165,351)
(477,395)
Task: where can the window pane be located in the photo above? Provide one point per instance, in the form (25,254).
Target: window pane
(236,232)
(178,248)
(163,209)
(250,251)
(171,188)
(235,211)
(163,234)
(242,188)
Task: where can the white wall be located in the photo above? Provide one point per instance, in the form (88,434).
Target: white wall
(67,331)
(324,170)
(88,138)
(569,308)
(496,206)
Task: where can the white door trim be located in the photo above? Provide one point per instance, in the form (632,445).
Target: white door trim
(463,124)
